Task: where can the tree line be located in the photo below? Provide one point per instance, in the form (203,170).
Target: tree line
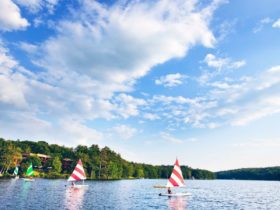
(99,163)
(269,173)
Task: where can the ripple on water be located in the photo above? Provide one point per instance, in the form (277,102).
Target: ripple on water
(138,194)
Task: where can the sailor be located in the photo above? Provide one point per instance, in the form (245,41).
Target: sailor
(169,190)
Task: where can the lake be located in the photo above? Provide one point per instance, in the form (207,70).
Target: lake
(138,194)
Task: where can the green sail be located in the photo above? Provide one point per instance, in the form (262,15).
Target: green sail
(16,171)
(30,171)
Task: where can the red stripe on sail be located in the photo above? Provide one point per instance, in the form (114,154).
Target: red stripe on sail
(178,175)
(177,163)
(80,163)
(80,171)
(74,176)
(173,182)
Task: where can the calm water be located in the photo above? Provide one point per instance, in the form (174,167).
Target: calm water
(138,194)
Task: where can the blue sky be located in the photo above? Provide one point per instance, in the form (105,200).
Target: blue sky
(153,80)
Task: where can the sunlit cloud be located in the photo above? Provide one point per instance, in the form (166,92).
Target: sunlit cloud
(222,63)
(276,24)
(10,17)
(124,131)
(170,80)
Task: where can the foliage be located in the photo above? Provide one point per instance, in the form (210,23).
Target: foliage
(56,164)
(270,173)
(98,163)
(10,155)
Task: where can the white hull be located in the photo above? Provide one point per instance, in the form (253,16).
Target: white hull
(16,177)
(28,180)
(175,194)
(77,186)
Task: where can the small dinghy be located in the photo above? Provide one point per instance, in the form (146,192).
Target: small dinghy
(176,180)
(29,174)
(78,175)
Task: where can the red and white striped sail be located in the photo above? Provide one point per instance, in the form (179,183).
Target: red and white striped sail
(78,173)
(176,179)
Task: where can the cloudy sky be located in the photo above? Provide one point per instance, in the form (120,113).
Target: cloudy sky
(153,80)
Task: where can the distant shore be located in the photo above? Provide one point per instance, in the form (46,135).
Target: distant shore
(52,161)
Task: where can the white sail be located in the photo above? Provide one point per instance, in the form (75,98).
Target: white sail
(78,173)
(176,179)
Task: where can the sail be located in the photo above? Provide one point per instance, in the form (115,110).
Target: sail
(30,171)
(176,179)
(16,171)
(78,173)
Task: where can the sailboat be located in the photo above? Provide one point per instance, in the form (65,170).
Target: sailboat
(176,180)
(16,172)
(78,175)
(29,174)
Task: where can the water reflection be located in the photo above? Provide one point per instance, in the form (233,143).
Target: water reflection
(74,198)
(177,203)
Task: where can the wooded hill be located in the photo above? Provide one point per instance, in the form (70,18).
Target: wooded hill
(269,173)
(53,161)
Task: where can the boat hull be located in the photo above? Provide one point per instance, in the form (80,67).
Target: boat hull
(175,194)
(28,180)
(77,186)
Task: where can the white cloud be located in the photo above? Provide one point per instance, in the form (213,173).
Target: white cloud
(127,105)
(248,99)
(80,133)
(276,24)
(263,108)
(170,80)
(35,6)
(270,78)
(27,102)
(12,85)
(173,99)
(222,63)
(168,137)
(237,64)
(30,48)
(229,101)
(180,111)
(104,43)
(226,28)
(266,20)
(151,116)
(103,52)
(260,25)
(12,90)
(124,131)
(217,63)
(10,17)
(32,5)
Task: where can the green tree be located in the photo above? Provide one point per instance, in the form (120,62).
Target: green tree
(56,164)
(10,156)
(139,172)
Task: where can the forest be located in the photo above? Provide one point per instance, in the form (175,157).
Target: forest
(99,163)
(269,173)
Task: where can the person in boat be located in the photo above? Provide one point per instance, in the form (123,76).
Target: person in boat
(169,190)
(73,184)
